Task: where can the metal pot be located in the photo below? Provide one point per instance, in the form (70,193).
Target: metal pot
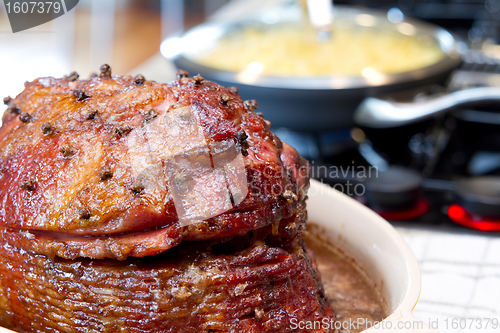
(310,103)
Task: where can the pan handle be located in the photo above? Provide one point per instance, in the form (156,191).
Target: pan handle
(377,113)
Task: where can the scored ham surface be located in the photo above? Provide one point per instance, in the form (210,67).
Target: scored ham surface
(260,289)
(87,166)
(258,282)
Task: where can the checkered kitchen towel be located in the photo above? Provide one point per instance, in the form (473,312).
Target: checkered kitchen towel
(460,280)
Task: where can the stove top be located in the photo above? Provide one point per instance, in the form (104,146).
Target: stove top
(441,173)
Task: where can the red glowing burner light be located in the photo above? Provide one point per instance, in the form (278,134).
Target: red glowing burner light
(460,215)
(412,213)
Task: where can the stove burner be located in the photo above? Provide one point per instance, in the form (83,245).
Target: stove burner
(441,173)
(394,190)
(460,215)
(479,195)
(412,213)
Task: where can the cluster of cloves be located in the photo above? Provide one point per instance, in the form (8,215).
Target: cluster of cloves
(137,188)
(47,128)
(11,107)
(92,114)
(25,117)
(80,95)
(150,115)
(289,196)
(105,174)
(224,99)
(123,130)
(251,104)
(182,74)
(241,136)
(67,151)
(198,79)
(73,76)
(139,79)
(105,71)
(27,185)
(84,214)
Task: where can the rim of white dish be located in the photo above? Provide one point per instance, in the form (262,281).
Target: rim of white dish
(403,310)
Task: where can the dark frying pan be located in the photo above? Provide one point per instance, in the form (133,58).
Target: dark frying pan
(309,103)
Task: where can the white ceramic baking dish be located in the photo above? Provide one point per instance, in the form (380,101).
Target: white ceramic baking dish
(375,246)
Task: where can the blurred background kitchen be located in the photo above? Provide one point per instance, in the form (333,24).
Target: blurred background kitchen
(437,154)
(429,160)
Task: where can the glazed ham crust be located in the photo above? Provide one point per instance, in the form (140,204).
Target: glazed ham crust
(258,282)
(84,166)
(183,183)
(260,289)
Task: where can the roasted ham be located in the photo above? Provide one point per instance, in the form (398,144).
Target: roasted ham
(133,206)
(85,166)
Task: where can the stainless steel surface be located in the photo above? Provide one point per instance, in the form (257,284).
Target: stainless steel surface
(377,113)
(320,15)
(183,49)
(172,16)
(465,79)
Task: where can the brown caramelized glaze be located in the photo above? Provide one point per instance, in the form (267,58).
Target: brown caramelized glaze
(133,206)
(258,282)
(69,130)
